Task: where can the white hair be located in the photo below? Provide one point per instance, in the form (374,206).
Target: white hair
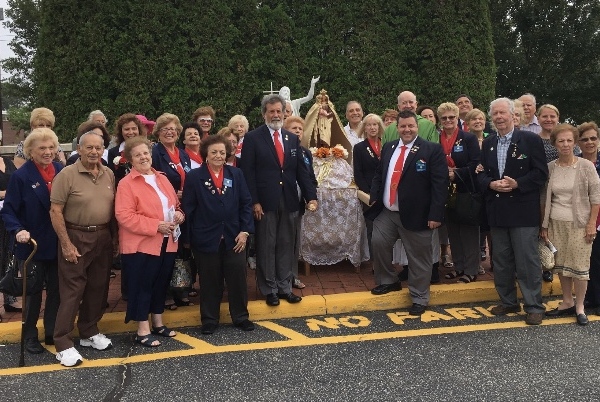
(509,102)
(95,113)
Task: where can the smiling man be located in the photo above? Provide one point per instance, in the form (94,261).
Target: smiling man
(529,109)
(354,115)
(426,129)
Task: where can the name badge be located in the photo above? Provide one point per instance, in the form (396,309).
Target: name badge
(421,165)
(293,152)
(227,182)
(186,169)
(458,148)
(306,160)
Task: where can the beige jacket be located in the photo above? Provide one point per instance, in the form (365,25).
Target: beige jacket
(586,192)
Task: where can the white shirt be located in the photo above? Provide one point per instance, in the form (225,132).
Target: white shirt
(151,179)
(352,135)
(280,137)
(390,172)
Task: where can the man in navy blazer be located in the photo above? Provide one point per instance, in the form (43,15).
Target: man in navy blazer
(512,173)
(409,198)
(273,164)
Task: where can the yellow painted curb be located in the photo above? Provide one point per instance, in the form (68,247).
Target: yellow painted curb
(457,293)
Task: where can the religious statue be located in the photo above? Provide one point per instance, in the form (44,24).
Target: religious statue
(296,103)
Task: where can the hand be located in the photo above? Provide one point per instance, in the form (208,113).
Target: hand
(22,236)
(315,80)
(312,205)
(240,242)
(479,168)
(179,194)
(258,211)
(590,233)
(433,224)
(451,174)
(500,186)
(512,183)
(70,253)
(179,217)
(544,234)
(166,227)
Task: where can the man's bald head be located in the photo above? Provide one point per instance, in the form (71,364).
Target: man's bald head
(407,101)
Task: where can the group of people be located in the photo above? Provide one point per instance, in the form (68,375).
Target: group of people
(215,195)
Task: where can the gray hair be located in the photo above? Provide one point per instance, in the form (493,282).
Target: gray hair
(532,97)
(509,102)
(95,113)
(271,99)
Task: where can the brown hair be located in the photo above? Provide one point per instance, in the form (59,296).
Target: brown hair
(203,111)
(562,128)
(134,142)
(212,140)
(124,119)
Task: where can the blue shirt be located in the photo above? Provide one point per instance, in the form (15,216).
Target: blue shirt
(503,145)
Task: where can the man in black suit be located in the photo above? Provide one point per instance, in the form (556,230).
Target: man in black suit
(409,192)
(272,165)
(513,171)
(465,105)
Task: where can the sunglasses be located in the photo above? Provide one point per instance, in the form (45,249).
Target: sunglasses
(205,120)
(444,118)
(588,139)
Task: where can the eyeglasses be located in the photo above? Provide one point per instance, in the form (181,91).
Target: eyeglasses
(444,118)
(202,120)
(167,129)
(588,139)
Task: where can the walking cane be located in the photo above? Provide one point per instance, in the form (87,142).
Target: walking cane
(24,302)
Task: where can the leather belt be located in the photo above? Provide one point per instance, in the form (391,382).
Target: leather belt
(93,228)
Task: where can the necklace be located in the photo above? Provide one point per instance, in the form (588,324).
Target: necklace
(571,163)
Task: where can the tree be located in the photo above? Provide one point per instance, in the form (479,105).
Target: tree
(550,48)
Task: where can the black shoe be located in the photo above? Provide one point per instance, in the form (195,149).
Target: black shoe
(290,297)
(417,309)
(582,319)
(33,346)
(208,328)
(10,309)
(435,273)
(245,325)
(272,299)
(383,289)
(403,276)
(49,340)
(547,276)
(558,313)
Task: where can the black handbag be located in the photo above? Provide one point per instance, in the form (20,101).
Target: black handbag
(465,208)
(12,282)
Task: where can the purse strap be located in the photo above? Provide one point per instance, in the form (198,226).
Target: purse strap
(466,184)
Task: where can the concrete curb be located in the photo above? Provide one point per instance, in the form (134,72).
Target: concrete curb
(458,293)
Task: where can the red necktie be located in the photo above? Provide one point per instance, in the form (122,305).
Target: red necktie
(465,127)
(397,175)
(278,147)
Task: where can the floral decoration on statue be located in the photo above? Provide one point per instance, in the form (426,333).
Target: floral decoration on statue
(323,152)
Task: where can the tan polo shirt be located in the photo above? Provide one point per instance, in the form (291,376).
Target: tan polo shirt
(87,201)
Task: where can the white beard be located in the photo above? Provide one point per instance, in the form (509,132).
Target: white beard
(275,125)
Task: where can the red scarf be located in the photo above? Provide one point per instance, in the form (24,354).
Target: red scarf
(194,156)
(218,181)
(47,173)
(175,159)
(447,144)
(375,146)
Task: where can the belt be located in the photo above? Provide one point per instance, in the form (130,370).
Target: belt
(93,228)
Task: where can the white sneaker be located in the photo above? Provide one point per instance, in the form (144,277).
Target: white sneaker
(98,341)
(69,357)
(252,262)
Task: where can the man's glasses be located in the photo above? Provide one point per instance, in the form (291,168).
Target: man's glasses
(444,118)
(588,139)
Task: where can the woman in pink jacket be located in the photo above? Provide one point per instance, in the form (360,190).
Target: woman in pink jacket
(148,213)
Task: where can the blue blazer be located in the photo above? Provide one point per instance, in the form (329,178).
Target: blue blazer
(423,190)
(466,155)
(267,180)
(162,162)
(27,206)
(365,164)
(526,163)
(211,216)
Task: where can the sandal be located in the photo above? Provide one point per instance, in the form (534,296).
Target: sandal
(447,261)
(163,331)
(193,293)
(453,275)
(170,306)
(147,340)
(298,284)
(467,278)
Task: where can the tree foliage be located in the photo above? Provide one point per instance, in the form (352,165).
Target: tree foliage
(173,56)
(550,48)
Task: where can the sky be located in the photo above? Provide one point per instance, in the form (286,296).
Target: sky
(5,36)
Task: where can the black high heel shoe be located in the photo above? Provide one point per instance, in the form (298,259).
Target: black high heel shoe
(11,309)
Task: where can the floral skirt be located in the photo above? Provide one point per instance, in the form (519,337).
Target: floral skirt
(573,253)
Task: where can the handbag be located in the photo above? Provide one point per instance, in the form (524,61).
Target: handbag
(465,208)
(12,282)
(182,272)
(546,255)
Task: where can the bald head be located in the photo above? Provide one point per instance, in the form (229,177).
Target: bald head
(407,101)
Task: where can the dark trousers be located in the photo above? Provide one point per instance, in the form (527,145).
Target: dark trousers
(275,234)
(48,270)
(215,268)
(464,240)
(592,295)
(148,278)
(83,286)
